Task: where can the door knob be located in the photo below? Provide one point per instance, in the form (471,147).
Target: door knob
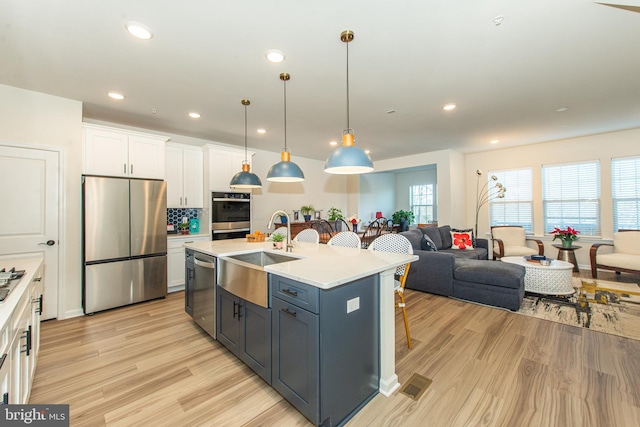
(48,243)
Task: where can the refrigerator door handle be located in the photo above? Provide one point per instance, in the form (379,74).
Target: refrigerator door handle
(204,264)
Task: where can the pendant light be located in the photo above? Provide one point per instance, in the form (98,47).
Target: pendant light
(348,159)
(285,170)
(244,178)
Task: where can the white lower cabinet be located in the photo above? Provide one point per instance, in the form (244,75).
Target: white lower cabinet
(20,343)
(175,260)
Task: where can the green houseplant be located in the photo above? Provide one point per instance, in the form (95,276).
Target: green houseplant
(399,215)
(277,240)
(334,214)
(306,211)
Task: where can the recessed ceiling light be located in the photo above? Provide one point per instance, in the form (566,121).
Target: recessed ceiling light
(116,95)
(275,56)
(333,143)
(194,115)
(367,151)
(262,131)
(498,20)
(494,141)
(562,109)
(138,30)
(448,107)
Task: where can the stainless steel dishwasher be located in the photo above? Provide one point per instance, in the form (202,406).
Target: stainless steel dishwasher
(204,292)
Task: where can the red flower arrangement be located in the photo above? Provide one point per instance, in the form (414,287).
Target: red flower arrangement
(568,235)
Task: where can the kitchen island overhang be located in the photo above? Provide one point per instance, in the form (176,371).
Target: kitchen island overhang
(326,267)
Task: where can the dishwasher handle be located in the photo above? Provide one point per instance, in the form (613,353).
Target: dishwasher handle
(204,264)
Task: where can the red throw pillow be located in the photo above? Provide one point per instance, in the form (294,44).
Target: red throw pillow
(462,239)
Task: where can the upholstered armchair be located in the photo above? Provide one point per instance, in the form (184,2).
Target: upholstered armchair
(623,255)
(511,240)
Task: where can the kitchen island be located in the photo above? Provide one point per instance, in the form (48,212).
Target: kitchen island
(329,267)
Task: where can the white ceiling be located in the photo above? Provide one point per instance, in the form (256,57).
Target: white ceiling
(411,56)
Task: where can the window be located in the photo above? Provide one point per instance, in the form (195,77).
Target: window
(516,207)
(571,197)
(625,182)
(421,202)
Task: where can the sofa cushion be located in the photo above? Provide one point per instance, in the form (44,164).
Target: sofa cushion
(434,234)
(494,273)
(445,235)
(475,253)
(627,261)
(427,244)
(414,237)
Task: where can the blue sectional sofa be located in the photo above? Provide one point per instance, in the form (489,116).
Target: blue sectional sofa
(464,274)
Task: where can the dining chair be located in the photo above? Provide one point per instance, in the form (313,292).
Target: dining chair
(307,235)
(371,232)
(397,243)
(342,225)
(324,229)
(347,239)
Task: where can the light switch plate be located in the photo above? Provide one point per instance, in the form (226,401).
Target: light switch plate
(353,304)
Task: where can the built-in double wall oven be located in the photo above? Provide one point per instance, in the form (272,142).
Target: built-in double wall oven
(230,215)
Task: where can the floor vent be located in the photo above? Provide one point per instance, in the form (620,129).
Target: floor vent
(416,386)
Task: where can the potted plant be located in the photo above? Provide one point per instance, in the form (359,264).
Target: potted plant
(403,219)
(278,240)
(306,212)
(566,236)
(334,214)
(184,228)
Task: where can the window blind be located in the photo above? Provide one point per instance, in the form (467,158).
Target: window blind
(421,198)
(516,208)
(571,197)
(625,182)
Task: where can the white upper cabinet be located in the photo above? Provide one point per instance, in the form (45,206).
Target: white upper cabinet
(221,164)
(184,176)
(118,152)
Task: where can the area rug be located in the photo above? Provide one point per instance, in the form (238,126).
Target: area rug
(599,305)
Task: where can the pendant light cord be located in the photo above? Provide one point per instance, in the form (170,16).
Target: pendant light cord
(348,127)
(285,115)
(245,134)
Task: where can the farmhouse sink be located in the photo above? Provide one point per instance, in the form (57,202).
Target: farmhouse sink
(260,259)
(243,275)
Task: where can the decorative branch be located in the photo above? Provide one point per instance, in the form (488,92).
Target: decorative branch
(486,193)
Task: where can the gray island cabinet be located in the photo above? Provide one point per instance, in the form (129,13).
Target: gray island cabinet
(245,329)
(320,331)
(325,347)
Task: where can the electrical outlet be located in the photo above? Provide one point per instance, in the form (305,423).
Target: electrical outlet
(353,304)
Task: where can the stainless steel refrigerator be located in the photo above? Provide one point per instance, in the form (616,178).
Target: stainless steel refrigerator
(124,241)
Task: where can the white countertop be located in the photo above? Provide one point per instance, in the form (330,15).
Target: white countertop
(30,266)
(319,265)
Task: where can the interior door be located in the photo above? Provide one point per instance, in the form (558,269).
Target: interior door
(29,218)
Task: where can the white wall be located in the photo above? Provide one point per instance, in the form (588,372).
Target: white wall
(377,194)
(450,182)
(602,147)
(36,119)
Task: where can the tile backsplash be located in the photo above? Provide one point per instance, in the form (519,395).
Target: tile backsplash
(174,216)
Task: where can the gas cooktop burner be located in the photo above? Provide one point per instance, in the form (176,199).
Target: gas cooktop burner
(6,277)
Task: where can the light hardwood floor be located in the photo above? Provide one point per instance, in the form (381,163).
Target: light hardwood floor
(150,365)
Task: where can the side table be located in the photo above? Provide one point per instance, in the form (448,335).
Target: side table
(567,254)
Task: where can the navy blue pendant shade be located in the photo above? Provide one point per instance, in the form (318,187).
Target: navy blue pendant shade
(285,170)
(348,159)
(244,178)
